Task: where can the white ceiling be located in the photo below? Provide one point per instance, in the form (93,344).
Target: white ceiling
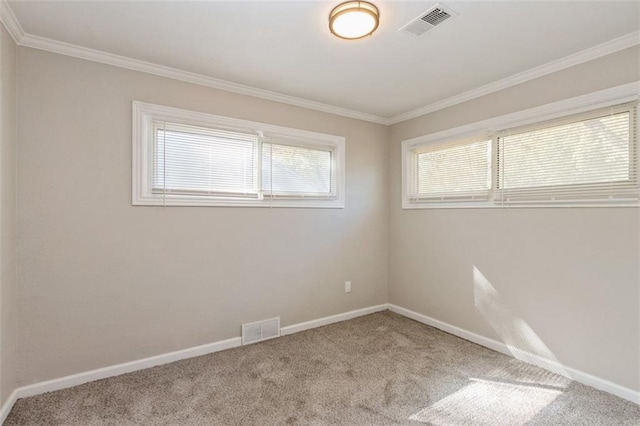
(286,47)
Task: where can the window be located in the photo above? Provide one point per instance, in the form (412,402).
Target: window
(587,158)
(290,170)
(452,172)
(192,159)
(201,161)
(584,159)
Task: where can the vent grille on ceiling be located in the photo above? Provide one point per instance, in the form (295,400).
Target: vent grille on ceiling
(428,20)
(436,16)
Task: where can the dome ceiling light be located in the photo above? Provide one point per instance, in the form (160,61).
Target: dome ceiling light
(354,19)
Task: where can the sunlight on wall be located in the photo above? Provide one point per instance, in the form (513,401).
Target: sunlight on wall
(486,402)
(512,394)
(523,343)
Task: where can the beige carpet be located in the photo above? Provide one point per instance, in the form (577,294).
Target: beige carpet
(381,369)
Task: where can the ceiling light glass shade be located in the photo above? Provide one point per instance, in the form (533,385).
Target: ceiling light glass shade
(354,19)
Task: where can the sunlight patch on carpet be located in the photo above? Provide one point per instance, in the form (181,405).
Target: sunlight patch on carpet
(485,402)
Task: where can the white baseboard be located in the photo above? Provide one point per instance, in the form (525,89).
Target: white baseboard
(8,405)
(572,373)
(330,320)
(141,364)
(128,367)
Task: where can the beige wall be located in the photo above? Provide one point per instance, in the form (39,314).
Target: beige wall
(8,306)
(102,282)
(572,275)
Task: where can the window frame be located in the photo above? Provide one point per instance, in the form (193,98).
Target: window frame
(145,114)
(493,128)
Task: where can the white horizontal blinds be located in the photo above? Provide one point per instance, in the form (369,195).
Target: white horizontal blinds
(204,161)
(297,171)
(453,172)
(584,158)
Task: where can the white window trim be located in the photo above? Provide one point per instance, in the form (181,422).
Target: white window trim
(145,113)
(483,129)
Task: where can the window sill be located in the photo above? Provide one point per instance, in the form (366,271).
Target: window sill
(195,201)
(540,205)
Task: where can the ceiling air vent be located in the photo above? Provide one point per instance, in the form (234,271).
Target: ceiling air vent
(428,20)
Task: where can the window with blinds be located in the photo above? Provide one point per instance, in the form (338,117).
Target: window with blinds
(452,173)
(198,160)
(186,158)
(586,158)
(582,159)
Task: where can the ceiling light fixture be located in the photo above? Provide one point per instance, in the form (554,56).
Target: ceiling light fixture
(354,19)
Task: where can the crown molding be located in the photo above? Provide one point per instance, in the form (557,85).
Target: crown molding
(586,55)
(75,51)
(10,22)
(36,42)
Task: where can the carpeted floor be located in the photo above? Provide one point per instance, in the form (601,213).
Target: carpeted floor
(380,369)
